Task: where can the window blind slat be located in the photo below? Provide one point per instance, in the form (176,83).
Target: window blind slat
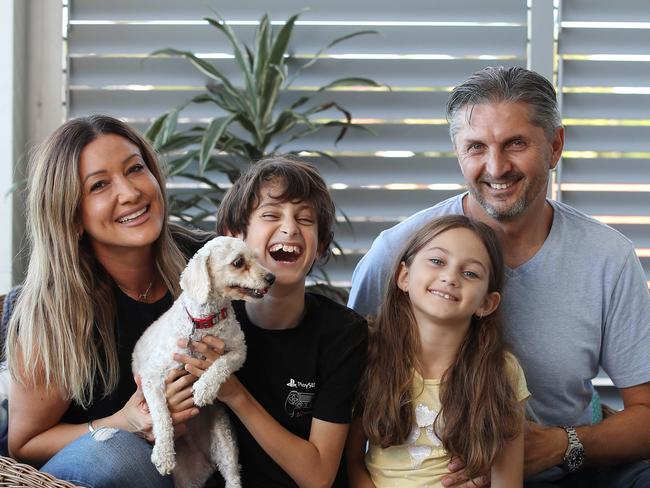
(607,106)
(608,138)
(591,41)
(365,10)
(605,73)
(453,41)
(397,73)
(610,170)
(605,11)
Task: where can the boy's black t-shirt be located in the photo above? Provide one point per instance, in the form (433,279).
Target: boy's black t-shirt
(310,371)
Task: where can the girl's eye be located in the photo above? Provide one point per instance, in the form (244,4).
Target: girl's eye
(436,261)
(269,216)
(306,220)
(470,274)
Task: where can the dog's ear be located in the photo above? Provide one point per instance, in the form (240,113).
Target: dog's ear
(195,280)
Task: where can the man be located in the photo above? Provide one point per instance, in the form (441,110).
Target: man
(575,299)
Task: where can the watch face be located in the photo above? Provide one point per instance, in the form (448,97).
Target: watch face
(573,460)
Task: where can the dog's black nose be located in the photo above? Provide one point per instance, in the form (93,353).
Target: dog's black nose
(269,278)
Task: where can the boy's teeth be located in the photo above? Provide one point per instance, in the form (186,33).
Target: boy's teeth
(284,248)
(132,216)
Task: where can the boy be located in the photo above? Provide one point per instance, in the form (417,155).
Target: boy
(291,402)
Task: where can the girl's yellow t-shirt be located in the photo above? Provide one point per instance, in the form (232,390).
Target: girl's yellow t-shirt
(421,462)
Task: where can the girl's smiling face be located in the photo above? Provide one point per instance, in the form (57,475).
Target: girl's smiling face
(121,204)
(447,281)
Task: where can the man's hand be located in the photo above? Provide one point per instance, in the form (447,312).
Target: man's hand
(458,479)
(544,447)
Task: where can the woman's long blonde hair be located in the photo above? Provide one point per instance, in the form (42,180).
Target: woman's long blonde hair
(62,331)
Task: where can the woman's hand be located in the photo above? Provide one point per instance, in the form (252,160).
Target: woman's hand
(135,414)
(210,348)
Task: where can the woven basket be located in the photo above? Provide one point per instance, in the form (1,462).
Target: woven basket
(14,474)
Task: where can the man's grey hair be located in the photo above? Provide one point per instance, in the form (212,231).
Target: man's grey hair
(511,85)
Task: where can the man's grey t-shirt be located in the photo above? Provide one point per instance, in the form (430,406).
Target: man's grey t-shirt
(581,302)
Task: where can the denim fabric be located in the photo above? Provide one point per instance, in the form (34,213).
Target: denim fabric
(634,475)
(107,458)
(4,427)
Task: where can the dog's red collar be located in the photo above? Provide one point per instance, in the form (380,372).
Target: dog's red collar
(210,320)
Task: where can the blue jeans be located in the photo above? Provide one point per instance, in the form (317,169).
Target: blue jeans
(108,458)
(633,475)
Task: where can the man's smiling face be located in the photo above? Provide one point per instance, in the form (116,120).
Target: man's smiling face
(505,159)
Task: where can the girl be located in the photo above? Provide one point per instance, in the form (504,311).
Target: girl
(104,264)
(438,380)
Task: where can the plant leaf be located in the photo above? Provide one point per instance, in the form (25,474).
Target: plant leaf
(203,179)
(154,128)
(263,35)
(212,134)
(271,93)
(203,66)
(318,55)
(227,100)
(178,165)
(300,102)
(180,140)
(350,81)
(240,57)
(282,41)
(168,127)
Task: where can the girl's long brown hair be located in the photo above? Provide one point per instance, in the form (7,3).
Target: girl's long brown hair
(479,409)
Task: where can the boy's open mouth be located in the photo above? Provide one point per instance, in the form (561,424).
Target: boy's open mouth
(286,253)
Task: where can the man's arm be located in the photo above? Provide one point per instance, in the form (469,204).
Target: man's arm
(368,279)
(621,438)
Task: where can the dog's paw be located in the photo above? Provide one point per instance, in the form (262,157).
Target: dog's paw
(202,395)
(163,459)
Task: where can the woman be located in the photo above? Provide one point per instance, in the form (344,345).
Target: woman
(104,264)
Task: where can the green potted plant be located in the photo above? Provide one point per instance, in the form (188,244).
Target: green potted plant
(249,122)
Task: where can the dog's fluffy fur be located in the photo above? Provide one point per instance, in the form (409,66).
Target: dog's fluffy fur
(224,269)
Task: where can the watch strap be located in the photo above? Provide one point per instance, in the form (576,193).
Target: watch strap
(575,453)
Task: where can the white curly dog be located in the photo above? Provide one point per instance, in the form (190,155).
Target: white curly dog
(224,269)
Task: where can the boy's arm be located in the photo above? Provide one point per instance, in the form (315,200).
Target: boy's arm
(310,463)
(355,447)
(508,468)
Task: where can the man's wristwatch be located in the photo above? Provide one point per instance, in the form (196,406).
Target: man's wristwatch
(575,452)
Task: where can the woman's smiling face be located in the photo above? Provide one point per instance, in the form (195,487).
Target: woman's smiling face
(121,204)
